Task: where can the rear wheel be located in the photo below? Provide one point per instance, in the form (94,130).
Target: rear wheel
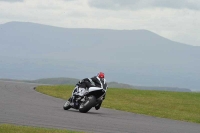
(88,104)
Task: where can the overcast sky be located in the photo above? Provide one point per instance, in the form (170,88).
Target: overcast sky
(178,20)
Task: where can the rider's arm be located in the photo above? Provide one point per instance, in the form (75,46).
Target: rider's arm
(79,82)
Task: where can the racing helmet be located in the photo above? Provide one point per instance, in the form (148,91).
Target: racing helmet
(100,75)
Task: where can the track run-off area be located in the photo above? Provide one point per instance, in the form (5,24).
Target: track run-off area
(20,104)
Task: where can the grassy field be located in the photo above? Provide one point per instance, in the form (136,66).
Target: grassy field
(183,106)
(5,128)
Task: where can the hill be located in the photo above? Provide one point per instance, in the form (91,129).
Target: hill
(136,57)
(73,81)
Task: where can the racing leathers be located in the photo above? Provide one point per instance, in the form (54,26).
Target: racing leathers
(99,82)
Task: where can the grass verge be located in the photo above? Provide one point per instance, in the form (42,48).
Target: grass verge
(183,106)
(7,128)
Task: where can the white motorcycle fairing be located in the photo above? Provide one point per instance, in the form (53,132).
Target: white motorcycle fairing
(94,89)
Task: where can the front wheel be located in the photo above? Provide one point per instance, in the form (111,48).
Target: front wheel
(88,104)
(67,105)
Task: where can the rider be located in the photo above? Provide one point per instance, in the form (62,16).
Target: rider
(99,81)
(84,84)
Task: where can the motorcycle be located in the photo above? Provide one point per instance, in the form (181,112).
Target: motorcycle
(93,97)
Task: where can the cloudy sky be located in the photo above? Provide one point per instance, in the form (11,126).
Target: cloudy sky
(178,20)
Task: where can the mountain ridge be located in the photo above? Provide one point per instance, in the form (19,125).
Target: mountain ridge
(139,56)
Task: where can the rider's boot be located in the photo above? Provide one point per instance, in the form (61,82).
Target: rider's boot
(97,107)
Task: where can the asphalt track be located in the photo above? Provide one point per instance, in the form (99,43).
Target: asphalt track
(20,104)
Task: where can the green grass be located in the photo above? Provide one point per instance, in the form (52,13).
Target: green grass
(7,128)
(183,106)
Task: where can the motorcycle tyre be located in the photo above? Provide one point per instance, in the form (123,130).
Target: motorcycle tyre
(67,107)
(85,108)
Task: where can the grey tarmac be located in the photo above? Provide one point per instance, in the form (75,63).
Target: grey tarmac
(20,104)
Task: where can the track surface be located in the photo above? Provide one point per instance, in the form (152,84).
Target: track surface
(21,105)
